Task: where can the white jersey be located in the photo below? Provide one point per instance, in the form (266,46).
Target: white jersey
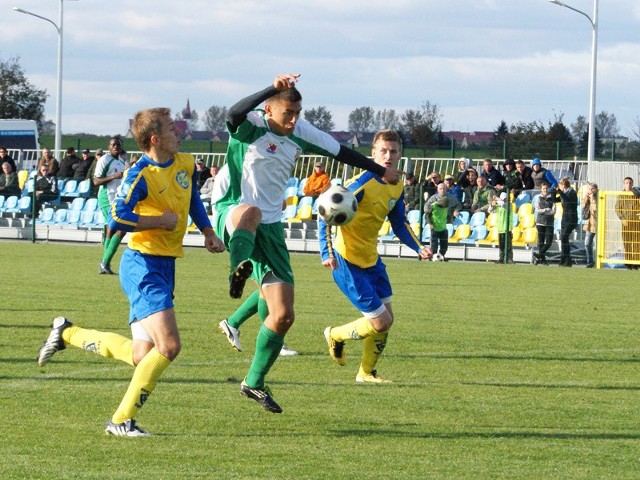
(260,162)
(105,167)
(220,184)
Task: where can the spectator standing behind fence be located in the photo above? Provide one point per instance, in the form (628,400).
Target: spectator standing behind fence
(589,206)
(569,198)
(628,211)
(483,198)
(524,174)
(48,160)
(67,163)
(9,184)
(437,211)
(411,192)
(5,157)
(470,190)
(317,182)
(545,212)
(540,174)
(492,174)
(46,187)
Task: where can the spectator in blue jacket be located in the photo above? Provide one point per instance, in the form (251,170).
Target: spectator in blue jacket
(540,174)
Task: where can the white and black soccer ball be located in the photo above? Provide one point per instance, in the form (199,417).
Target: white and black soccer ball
(337,206)
(437,257)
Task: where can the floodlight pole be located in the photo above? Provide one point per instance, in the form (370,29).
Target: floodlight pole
(59,29)
(594,61)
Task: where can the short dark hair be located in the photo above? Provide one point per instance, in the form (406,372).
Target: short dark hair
(292,95)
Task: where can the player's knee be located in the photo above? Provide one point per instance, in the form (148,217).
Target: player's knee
(170,349)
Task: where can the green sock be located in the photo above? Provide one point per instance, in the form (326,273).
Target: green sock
(263,310)
(110,248)
(240,246)
(268,346)
(244,311)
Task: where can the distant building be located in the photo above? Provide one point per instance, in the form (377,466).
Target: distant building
(468,139)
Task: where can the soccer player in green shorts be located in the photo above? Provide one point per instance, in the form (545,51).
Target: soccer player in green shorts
(108,176)
(263,147)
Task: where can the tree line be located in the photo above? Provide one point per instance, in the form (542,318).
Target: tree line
(420,127)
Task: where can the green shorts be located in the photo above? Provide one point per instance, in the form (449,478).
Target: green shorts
(103,203)
(270,252)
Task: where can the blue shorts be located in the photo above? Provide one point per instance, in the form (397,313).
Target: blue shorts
(148,282)
(366,288)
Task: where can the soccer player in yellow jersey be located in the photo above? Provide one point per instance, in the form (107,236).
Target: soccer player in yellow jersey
(154,201)
(356,266)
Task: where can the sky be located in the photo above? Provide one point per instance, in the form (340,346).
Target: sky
(480,61)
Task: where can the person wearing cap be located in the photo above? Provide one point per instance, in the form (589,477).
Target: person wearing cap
(67,163)
(317,182)
(453,190)
(504,223)
(411,192)
(540,174)
(202,173)
(81,169)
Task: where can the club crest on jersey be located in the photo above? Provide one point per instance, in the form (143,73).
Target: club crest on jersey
(272,148)
(183,179)
(392,203)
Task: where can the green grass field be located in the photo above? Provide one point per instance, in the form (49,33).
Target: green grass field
(500,372)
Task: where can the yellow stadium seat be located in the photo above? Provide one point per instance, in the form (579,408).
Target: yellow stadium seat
(558,210)
(530,236)
(525,209)
(292,200)
(491,220)
(415,227)
(385,228)
(527,221)
(462,232)
(492,237)
(304,213)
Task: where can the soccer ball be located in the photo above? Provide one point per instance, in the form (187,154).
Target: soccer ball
(337,206)
(437,257)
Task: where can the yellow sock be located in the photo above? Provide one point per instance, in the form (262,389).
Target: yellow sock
(106,344)
(373,347)
(356,330)
(144,380)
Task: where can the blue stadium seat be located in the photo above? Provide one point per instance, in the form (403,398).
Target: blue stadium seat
(46,216)
(70,188)
(290,192)
(84,189)
(524,197)
(289,212)
(478,233)
(301,185)
(462,218)
(413,216)
(305,200)
(73,217)
(336,181)
(91,205)
(11,202)
(2,203)
(292,182)
(86,218)
(22,206)
(476,219)
(77,204)
(60,217)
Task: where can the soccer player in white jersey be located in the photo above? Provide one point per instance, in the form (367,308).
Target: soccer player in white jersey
(263,147)
(108,176)
(356,266)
